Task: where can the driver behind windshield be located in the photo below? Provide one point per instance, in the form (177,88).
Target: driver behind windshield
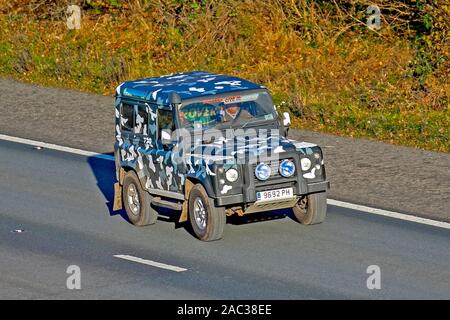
(231,112)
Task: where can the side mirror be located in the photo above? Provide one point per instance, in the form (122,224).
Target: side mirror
(286,122)
(166,137)
(286,119)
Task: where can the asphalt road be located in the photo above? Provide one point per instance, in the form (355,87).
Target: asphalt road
(59,200)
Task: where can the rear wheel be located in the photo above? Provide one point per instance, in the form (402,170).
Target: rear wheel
(311,209)
(207,221)
(137,202)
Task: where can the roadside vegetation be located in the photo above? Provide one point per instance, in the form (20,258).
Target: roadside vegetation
(318,58)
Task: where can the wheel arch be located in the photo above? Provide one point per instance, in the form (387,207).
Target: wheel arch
(190,182)
(205,182)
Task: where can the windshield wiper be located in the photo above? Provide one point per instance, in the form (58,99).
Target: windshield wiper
(254,121)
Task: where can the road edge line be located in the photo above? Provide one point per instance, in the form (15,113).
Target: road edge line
(56,147)
(390,214)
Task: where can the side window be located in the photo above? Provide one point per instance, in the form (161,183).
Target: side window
(141,126)
(127,117)
(165,120)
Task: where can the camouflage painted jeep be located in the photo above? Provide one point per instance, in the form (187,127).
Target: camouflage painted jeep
(209,146)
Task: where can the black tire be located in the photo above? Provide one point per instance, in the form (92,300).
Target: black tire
(144,214)
(214,217)
(312,209)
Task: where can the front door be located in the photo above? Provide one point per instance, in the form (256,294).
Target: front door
(168,175)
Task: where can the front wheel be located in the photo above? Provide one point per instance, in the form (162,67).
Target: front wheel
(207,220)
(311,209)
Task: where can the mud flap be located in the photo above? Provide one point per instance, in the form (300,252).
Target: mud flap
(117,197)
(184,211)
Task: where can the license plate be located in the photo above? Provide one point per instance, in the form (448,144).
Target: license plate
(271,195)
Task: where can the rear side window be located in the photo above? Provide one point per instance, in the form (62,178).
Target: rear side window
(127,117)
(142,121)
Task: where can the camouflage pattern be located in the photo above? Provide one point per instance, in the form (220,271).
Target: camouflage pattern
(188,85)
(167,170)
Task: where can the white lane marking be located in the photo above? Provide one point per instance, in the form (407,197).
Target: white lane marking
(150,263)
(390,214)
(56,147)
(337,203)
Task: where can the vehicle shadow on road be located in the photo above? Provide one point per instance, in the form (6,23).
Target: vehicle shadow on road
(105,173)
(260,217)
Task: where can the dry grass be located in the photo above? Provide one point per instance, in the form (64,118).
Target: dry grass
(318,56)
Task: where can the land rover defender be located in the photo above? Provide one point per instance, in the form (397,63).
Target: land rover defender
(210,146)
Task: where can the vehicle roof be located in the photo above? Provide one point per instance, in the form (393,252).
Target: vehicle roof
(187,84)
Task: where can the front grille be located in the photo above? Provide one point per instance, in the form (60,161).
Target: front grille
(278,185)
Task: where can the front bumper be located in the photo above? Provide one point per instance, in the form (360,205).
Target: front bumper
(250,196)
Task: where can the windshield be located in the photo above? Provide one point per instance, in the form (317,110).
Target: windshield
(227,110)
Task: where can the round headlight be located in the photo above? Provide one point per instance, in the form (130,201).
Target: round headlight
(306,164)
(263,171)
(232,175)
(287,168)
